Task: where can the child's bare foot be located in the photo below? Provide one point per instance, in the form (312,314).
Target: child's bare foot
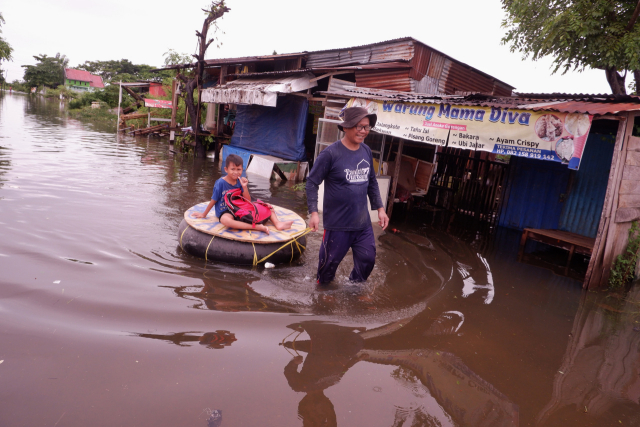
(284,225)
(263,228)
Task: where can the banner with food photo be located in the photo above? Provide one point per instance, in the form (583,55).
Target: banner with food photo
(544,135)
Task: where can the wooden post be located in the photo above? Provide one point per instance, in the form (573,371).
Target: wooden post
(174,110)
(119,102)
(396,174)
(219,119)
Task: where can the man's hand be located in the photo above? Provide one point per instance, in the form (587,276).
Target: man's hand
(383,219)
(314,221)
(244,182)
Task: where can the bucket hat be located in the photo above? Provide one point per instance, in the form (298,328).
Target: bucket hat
(353,115)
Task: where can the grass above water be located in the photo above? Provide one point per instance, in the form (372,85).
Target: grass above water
(94,114)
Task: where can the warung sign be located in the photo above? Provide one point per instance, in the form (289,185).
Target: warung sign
(553,136)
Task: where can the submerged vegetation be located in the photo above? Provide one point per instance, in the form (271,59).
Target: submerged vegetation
(624,267)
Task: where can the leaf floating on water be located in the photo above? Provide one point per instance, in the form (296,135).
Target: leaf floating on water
(561,372)
(585,409)
(56,281)
(1,361)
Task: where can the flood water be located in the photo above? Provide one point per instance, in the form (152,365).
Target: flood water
(104,321)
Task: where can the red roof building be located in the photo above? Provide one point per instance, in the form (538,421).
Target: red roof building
(81,81)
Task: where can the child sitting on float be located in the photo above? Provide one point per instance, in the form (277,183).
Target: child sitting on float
(231,181)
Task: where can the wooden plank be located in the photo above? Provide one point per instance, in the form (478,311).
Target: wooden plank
(629,201)
(628,186)
(594,270)
(634,143)
(627,214)
(565,236)
(423,174)
(633,158)
(396,174)
(616,236)
(631,173)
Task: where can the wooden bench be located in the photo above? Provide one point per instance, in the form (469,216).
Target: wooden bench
(559,239)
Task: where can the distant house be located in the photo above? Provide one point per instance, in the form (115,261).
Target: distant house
(81,81)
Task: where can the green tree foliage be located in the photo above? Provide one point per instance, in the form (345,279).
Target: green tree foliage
(600,34)
(5,49)
(108,95)
(49,71)
(171,57)
(125,70)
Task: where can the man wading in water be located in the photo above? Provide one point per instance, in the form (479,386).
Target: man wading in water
(346,167)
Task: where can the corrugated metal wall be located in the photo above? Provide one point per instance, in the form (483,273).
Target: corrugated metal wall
(543,194)
(582,210)
(533,195)
(385,79)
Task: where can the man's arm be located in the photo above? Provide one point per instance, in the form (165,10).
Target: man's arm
(316,176)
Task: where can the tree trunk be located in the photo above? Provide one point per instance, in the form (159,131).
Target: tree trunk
(616,81)
(215,11)
(636,77)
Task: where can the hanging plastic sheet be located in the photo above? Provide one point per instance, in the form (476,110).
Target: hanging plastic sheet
(277,131)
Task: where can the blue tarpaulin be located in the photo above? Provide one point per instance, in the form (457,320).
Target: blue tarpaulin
(277,131)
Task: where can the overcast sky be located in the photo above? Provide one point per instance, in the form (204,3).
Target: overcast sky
(142,31)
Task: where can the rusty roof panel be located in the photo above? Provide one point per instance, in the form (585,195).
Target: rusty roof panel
(384,79)
(420,62)
(336,84)
(461,78)
(427,85)
(379,52)
(444,75)
(500,89)
(436,64)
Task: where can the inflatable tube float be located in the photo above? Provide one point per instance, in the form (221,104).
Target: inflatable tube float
(207,238)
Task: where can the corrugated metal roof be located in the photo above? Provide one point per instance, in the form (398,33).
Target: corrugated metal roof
(578,96)
(584,107)
(401,50)
(383,66)
(258,91)
(395,46)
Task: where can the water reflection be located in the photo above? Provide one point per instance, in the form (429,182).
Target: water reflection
(331,351)
(214,340)
(442,389)
(600,372)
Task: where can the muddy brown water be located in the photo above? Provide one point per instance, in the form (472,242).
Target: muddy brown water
(104,321)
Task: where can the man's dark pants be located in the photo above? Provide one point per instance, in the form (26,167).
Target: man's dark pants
(334,247)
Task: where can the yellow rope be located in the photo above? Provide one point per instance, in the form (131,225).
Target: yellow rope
(185,229)
(255,255)
(205,252)
(290,242)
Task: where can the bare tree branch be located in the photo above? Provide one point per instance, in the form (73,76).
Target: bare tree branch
(634,17)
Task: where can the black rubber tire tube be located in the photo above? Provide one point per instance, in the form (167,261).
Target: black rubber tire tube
(195,243)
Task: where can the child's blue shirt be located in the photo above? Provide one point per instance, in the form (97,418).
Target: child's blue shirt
(219,189)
